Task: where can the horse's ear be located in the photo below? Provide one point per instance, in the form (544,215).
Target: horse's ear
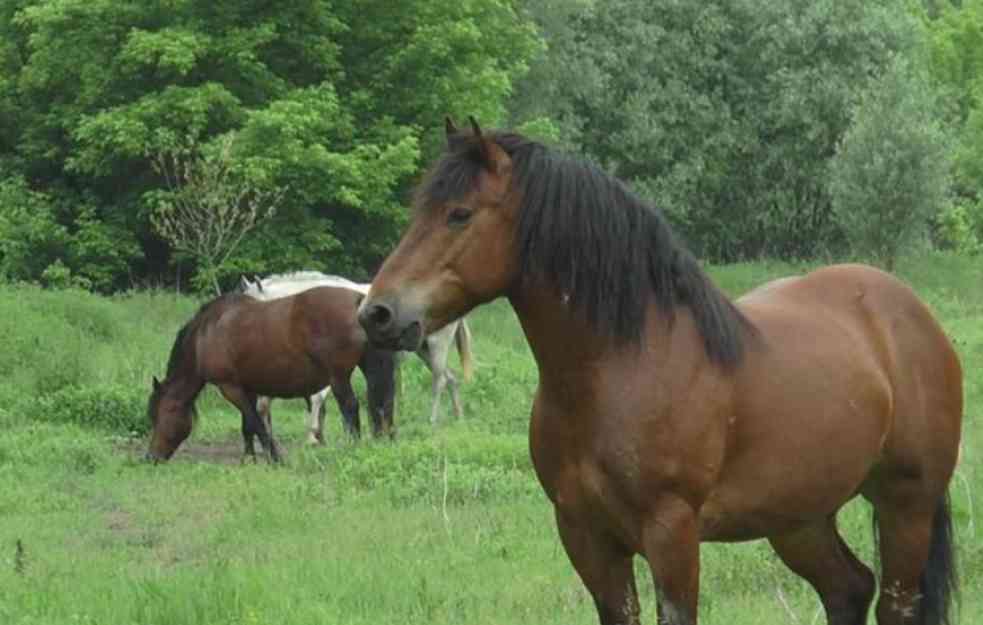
(243,284)
(156,383)
(475,128)
(493,157)
(454,137)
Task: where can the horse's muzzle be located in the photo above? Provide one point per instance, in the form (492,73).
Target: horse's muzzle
(385,328)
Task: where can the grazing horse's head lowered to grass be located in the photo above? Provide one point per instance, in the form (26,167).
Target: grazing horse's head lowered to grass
(666,414)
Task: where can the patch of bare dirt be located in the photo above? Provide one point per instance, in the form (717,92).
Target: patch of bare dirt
(213,452)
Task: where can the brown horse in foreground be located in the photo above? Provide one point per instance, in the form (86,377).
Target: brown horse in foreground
(289,347)
(667,415)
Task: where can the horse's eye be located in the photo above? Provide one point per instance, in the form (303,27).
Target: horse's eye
(458,217)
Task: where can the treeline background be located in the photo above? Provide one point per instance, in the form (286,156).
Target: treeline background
(794,130)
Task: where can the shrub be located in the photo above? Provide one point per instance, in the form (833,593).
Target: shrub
(30,237)
(112,407)
(958,227)
(889,177)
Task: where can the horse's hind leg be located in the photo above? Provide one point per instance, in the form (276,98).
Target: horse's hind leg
(818,554)
(437,385)
(248,431)
(341,388)
(918,574)
(435,356)
(315,408)
(452,387)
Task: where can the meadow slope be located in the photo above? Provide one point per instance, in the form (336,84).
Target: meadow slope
(446,525)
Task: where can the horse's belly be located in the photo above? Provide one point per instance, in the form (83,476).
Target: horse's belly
(286,381)
(762,498)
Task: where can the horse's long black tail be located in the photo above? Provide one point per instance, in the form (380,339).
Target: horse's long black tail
(940,583)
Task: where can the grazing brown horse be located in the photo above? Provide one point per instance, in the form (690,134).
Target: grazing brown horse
(667,415)
(289,347)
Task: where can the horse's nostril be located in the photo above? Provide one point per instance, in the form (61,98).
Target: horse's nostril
(380,315)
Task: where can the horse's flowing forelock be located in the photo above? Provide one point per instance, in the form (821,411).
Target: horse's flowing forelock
(590,237)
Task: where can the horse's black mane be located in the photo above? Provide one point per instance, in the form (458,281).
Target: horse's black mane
(594,240)
(207,314)
(183,346)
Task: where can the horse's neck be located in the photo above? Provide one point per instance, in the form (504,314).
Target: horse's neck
(573,357)
(563,343)
(184,388)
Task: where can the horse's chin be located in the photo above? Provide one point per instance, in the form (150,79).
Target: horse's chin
(410,338)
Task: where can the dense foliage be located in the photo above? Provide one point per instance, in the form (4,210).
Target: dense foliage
(336,100)
(727,113)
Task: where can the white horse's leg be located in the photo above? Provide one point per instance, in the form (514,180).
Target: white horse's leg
(436,388)
(438,347)
(263,408)
(452,385)
(315,433)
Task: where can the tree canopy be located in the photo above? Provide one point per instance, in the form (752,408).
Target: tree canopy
(727,113)
(336,100)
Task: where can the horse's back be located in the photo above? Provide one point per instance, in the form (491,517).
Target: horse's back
(287,346)
(877,313)
(329,314)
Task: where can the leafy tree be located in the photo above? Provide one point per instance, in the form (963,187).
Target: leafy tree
(890,174)
(338,100)
(725,112)
(955,46)
(543,100)
(208,208)
(31,239)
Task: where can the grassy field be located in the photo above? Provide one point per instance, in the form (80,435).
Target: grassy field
(446,525)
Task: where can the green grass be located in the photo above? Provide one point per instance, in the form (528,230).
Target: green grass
(445,525)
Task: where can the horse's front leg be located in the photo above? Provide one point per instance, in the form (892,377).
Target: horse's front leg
(252,422)
(604,566)
(672,547)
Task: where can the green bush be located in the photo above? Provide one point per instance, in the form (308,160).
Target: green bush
(890,175)
(958,227)
(112,407)
(31,239)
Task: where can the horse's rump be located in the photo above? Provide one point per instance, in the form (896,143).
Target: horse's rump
(851,379)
